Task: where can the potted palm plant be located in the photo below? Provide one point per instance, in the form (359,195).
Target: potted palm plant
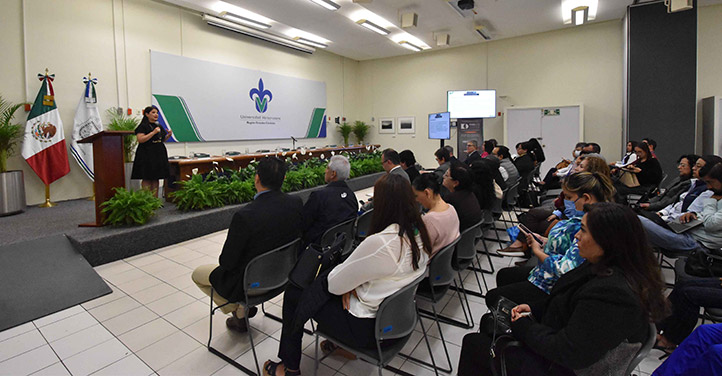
(121,122)
(345,129)
(12,186)
(360,130)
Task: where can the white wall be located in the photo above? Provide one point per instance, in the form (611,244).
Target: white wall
(580,65)
(709,59)
(111,39)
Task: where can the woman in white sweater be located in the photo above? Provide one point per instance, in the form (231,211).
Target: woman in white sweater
(392,257)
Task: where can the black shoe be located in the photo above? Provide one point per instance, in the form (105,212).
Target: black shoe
(237,325)
(251,312)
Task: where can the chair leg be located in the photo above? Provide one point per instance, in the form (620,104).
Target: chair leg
(253,347)
(428,345)
(224,356)
(278,319)
(315,370)
(433,361)
(470,319)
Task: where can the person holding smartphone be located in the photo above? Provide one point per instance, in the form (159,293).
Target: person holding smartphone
(557,254)
(594,311)
(151,157)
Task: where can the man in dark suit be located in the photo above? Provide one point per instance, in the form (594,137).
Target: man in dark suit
(271,220)
(331,205)
(472,151)
(408,163)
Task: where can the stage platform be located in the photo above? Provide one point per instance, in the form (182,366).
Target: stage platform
(106,244)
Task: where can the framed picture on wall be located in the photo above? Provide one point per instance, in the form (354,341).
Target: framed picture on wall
(407,124)
(387,125)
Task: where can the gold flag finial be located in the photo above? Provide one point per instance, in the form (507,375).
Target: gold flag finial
(46,71)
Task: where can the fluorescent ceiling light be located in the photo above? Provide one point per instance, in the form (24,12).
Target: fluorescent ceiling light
(579,15)
(483,32)
(244,20)
(268,37)
(410,46)
(328,4)
(309,42)
(569,7)
(372,26)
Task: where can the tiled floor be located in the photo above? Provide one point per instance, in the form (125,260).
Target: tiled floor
(156,322)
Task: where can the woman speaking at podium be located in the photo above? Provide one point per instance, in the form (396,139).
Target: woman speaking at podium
(151,157)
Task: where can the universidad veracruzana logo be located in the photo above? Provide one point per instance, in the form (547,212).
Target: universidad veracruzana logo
(259,95)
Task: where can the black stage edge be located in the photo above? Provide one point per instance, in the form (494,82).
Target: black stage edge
(44,276)
(169,226)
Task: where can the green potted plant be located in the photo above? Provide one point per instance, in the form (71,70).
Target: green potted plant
(345,129)
(118,121)
(130,207)
(12,186)
(361,130)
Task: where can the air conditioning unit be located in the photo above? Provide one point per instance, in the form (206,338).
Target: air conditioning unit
(678,5)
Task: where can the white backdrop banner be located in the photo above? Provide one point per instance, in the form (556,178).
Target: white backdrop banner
(205,101)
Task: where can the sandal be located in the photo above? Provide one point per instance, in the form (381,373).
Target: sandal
(329,348)
(269,369)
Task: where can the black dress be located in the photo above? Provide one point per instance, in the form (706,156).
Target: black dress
(151,157)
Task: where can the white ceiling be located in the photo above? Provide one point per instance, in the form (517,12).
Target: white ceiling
(503,18)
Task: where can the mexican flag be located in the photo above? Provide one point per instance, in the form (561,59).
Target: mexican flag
(86,123)
(44,143)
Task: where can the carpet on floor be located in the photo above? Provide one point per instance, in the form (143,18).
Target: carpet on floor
(44,276)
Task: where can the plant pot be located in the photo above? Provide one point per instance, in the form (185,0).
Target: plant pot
(12,193)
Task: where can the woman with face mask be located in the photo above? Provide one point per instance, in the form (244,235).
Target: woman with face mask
(557,254)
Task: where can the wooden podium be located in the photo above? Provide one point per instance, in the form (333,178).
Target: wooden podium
(108,166)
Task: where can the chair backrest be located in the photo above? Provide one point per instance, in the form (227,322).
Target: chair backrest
(440,271)
(466,247)
(512,194)
(345,227)
(270,270)
(363,224)
(644,351)
(487,218)
(397,316)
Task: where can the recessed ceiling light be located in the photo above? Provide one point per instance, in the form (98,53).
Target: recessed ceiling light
(580,15)
(410,46)
(483,32)
(571,7)
(328,4)
(372,26)
(244,20)
(309,42)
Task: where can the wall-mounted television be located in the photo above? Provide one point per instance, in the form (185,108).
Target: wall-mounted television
(440,126)
(468,104)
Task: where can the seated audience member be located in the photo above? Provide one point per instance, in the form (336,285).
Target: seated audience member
(560,253)
(647,170)
(462,197)
(552,180)
(507,169)
(472,152)
(525,165)
(592,148)
(592,309)
(394,255)
(482,173)
(271,220)
(519,150)
(408,163)
(652,146)
(539,219)
(687,297)
(693,199)
(331,205)
(441,220)
(494,164)
(629,156)
(699,354)
(708,234)
(391,162)
(535,150)
(679,186)
(488,146)
(442,158)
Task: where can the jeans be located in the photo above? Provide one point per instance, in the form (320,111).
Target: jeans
(699,354)
(663,238)
(686,298)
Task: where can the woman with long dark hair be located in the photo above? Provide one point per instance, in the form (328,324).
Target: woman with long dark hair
(151,157)
(462,196)
(394,255)
(441,219)
(591,311)
(647,170)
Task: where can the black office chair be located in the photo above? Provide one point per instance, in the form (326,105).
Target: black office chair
(432,289)
(265,278)
(345,227)
(466,254)
(395,319)
(487,223)
(363,223)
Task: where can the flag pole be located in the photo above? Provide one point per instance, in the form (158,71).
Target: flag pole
(47,203)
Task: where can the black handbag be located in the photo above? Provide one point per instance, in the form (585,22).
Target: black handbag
(703,263)
(316,259)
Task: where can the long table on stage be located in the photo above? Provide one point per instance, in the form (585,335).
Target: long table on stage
(183,169)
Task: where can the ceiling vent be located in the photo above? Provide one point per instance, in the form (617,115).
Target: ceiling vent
(409,20)
(466,4)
